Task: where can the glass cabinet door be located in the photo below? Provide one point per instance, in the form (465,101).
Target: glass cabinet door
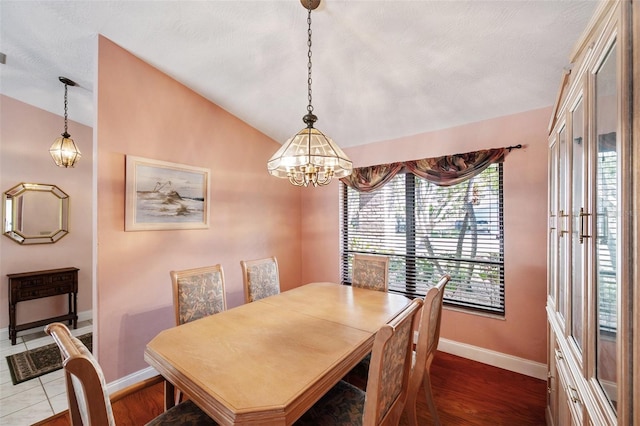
(606,199)
(578,224)
(563,223)
(553,222)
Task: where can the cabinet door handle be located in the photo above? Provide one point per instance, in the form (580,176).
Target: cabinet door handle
(583,216)
(559,354)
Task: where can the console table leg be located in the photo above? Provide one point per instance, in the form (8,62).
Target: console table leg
(12,324)
(75,310)
(70,309)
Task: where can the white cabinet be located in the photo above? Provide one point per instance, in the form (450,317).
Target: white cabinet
(593,234)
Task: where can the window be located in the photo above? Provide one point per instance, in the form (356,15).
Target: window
(428,230)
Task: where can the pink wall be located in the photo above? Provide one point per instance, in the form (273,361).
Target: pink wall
(522,332)
(143,112)
(26,133)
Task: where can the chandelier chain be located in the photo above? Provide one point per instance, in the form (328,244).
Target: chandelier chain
(309,157)
(309,80)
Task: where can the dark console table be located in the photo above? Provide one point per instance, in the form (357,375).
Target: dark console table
(38,284)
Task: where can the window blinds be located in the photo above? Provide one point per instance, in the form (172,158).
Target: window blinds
(428,230)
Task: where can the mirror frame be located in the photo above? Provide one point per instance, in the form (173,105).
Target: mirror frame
(11,210)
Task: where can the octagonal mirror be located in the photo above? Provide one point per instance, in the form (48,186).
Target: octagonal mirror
(35,213)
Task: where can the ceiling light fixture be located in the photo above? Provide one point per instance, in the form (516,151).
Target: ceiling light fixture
(63,150)
(309,157)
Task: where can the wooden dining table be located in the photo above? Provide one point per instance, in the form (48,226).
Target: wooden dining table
(269,361)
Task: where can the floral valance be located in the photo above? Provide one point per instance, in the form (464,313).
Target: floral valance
(443,171)
(367,179)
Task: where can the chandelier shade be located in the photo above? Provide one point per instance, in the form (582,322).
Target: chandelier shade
(309,157)
(64,151)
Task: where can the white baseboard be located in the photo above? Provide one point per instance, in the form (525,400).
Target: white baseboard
(131,379)
(82,316)
(496,359)
(85,316)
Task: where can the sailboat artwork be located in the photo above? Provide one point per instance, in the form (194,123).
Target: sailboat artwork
(163,195)
(164,203)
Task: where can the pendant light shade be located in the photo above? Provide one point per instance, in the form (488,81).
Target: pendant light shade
(309,157)
(64,151)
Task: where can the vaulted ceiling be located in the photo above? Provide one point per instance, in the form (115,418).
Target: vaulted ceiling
(381,69)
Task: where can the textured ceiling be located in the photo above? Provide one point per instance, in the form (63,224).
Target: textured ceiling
(381,69)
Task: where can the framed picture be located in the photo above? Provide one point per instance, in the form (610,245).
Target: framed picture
(162,195)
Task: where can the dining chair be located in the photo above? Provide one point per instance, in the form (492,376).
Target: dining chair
(425,350)
(370,271)
(198,292)
(383,402)
(261,278)
(89,402)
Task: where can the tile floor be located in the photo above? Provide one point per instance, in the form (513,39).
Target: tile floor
(35,399)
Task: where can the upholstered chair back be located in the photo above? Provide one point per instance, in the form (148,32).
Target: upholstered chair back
(198,292)
(261,278)
(389,372)
(388,381)
(370,271)
(426,346)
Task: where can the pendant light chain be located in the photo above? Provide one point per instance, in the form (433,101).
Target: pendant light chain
(309,107)
(66,134)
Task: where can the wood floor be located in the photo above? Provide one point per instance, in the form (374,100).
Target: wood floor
(466,393)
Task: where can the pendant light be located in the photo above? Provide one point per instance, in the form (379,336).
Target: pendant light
(309,157)
(64,151)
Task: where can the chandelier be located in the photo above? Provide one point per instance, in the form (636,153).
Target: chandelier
(309,157)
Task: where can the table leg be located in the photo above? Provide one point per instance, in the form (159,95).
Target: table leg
(169,395)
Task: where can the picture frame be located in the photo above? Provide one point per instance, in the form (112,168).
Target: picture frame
(161,195)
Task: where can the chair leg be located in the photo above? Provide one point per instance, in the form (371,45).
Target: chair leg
(410,409)
(430,401)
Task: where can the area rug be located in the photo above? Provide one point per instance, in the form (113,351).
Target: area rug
(34,363)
